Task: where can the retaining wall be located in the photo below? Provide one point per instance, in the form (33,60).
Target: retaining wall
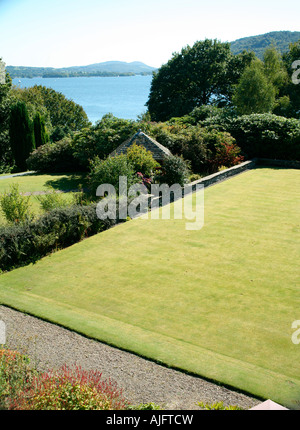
(227,173)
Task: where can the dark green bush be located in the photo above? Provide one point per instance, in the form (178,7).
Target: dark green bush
(54,158)
(57,229)
(262,135)
(108,171)
(202,113)
(195,144)
(175,170)
(102,138)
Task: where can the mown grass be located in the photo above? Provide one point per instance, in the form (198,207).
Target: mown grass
(34,182)
(218,302)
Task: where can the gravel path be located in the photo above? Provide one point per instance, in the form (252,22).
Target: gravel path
(51,346)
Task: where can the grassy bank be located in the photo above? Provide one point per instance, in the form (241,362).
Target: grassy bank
(218,302)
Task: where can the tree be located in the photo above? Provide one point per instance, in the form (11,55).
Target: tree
(34,101)
(276,73)
(198,75)
(21,135)
(110,170)
(40,135)
(255,93)
(5,152)
(102,138)
(274,68)
(292,89)
(62,116)
(63,112)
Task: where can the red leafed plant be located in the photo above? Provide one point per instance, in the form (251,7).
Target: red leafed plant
(144,179)
(70,388)
(227,154)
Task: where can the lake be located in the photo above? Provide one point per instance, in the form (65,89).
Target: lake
(123,96)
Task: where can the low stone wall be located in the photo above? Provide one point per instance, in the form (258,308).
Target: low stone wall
(224,174)
(227,173)
(207,181)
(242,167)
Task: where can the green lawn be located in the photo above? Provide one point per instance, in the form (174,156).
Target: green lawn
(218,302)
(33,182)
(40,182)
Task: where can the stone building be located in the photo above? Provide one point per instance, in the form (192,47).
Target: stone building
(159,151)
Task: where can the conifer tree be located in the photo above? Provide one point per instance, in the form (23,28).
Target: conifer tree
(39,127)
(21,135)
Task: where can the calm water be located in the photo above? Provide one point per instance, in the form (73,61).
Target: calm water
(124,97)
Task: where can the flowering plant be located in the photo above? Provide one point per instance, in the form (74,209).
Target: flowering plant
(144,179)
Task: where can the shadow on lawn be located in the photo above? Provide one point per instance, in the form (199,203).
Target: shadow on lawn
(68,182)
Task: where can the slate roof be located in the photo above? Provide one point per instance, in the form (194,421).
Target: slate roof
(159,151)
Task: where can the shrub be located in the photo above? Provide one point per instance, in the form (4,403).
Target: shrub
(15,376)
(109,170)
(67,388)
(144,180)
(262,135)
(200,113)
(175,170)
(15,207)
(218,406)
(22,244)
(82,197)
(52,200)
(54,158)
(102,139)
(145,407)
(227,155)
(71,388)
(141,160)
(194,177)
(195,143)
(203,156)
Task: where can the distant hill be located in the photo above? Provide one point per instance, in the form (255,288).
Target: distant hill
(108,68)
(280,39)
(258,44)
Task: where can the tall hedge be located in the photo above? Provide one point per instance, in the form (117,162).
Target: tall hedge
(55,157)
(262,135)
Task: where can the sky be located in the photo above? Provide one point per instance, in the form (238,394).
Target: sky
(64,33)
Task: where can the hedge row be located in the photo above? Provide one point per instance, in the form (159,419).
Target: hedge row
(55,157)
(262,135)
(196,137)
(26,243)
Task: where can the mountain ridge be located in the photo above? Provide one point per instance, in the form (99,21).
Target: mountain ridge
(258,43)
(107,68)
(280,39)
